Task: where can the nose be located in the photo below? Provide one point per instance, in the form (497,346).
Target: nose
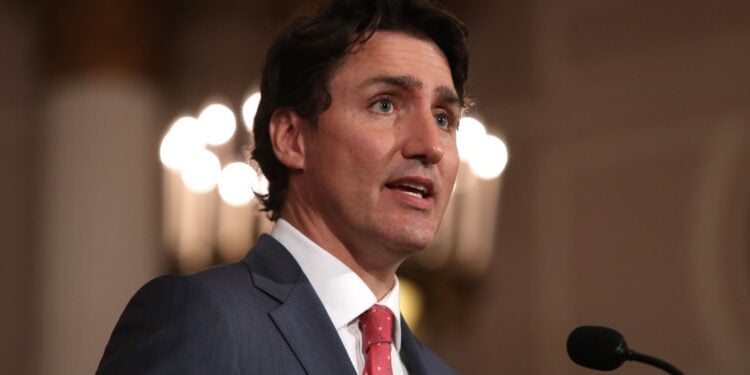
(422,139)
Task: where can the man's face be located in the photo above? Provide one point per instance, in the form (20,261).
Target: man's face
(381,163)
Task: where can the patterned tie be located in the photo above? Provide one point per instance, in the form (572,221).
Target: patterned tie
(376,325)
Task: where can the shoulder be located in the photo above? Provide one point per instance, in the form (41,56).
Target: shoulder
(434,364)
(418,358)
(171,321)
(198,291)
(437,365)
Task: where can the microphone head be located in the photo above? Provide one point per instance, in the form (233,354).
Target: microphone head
(598,348)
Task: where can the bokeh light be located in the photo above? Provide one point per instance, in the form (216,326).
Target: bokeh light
(490,159)
(236,184)
(249,108)
(201,171)
(470,134)
(412,302)
(217,123)
(262,186)
(181,141)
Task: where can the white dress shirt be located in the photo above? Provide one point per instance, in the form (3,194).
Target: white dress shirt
(343,293)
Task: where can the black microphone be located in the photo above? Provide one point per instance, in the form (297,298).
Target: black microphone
(602,348)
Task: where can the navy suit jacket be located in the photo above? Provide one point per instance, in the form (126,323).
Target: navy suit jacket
(257,316)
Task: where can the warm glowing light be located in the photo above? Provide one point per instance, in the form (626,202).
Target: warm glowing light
(490,158)
(201,171)
(469,136)
(249,108)
(262,186)
(217,123)
(411,301)
(236,184)
(182,140)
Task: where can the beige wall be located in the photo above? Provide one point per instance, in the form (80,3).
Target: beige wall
(626,201)
(17,74)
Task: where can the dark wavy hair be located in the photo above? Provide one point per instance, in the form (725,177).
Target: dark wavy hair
(304,55)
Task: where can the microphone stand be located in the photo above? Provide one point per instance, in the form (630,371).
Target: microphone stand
(632,355)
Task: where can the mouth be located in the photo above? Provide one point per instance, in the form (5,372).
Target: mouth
(417,187)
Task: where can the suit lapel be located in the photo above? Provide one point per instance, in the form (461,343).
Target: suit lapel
(309,331)
(411,353)
(300,317)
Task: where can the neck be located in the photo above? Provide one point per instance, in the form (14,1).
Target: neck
(376,267)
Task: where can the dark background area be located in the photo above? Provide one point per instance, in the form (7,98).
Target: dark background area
(626,201)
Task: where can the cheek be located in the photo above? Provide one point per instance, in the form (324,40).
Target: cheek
(366,147)
(353,161)
(367,160)
(449,164)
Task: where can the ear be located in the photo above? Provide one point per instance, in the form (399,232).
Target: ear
(286,128)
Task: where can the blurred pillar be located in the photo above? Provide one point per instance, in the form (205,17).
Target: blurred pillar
(98,210)
(98,216)
(19,38)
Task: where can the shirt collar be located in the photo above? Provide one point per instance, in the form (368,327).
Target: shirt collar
(343,293)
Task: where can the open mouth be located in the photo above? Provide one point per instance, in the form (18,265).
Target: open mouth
(412,188)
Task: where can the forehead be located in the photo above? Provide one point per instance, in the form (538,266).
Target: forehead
(390,53)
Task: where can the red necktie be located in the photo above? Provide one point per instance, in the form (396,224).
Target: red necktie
(376,325)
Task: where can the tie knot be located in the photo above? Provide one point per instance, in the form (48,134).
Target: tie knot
(376,325)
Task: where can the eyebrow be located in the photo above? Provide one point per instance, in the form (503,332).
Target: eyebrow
(448,95)
(404,82)
(410,83)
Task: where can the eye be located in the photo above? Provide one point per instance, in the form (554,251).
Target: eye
(443,120)
(384,105)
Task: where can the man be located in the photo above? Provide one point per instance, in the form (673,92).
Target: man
(356,132)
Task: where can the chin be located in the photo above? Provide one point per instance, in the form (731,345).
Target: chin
(403,234)
(411,241)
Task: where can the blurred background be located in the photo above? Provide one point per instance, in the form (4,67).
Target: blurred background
(625,201)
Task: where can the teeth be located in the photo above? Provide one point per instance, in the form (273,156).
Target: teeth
(412,188)
(414,194)
(416,187)
(416,190)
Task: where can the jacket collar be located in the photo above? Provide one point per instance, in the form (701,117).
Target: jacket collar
(302,319)
(300,316)
(411,351)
